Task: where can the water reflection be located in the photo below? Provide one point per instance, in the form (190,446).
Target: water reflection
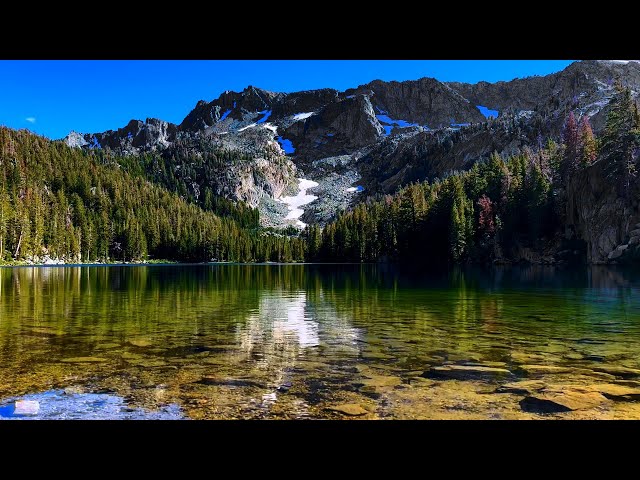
(279,320)
(228,341)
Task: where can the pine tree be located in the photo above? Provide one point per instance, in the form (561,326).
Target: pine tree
(588,148)
(621,139)
(461,225)
(570,140)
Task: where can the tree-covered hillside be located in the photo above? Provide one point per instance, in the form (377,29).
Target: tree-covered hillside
(500,209)
(81,206)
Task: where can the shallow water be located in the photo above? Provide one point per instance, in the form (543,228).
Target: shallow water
(319,341)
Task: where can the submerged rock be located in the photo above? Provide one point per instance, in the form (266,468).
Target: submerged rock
(381,381)
(229,382)
(561,401)
(543,369)
(618,371)
(617,392)
(523,387)
(350,409)
(463,372)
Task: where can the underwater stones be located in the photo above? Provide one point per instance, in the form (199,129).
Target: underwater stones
(543,369)
(285,387)
(147,362)
(213,380)
(349,409)
(618,371)
(486,364)
(561,401)
(381,381)
(140,343)
(628,383)
(462,372)
(574,356)
(523,387)
(600,375)
(617,392)
(83,360)
(530,358)
(130,356)
(73,390)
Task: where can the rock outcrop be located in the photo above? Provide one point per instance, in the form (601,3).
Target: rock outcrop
(337,129)
(604,216)
(426,101)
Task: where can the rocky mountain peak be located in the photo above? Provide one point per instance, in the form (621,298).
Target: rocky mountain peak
(427,102)
(383,134)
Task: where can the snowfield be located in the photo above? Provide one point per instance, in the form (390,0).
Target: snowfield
(302,116)
(302,198)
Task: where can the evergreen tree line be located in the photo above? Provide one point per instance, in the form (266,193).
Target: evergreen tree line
(82,206)
(194,172)
(490,210)
(92,206)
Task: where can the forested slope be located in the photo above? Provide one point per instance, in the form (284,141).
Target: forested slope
(69,204)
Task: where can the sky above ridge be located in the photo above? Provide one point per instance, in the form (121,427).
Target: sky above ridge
(53,97)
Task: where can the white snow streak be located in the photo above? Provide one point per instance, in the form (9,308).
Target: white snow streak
(248,126)
(302,116)
(295,202)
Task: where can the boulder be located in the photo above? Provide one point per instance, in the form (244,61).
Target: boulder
(617,252)
(562,401)
(618,371)
(523,387)
(381,381)
(349,409)
(617,392)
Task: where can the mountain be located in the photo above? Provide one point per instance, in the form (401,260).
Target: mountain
(370,140)
(61,204)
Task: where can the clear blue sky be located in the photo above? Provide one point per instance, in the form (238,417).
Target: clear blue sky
(53,97)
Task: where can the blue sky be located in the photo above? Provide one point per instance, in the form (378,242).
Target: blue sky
(53,97)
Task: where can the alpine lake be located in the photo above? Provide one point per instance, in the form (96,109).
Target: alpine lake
(228,341)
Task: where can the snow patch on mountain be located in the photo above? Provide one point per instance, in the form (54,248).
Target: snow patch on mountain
(248,126)
(301,198)
(302,116)
(624,62)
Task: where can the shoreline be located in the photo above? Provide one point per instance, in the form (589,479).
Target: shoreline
(170,263)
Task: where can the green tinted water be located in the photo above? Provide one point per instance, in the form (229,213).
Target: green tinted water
(303,341)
